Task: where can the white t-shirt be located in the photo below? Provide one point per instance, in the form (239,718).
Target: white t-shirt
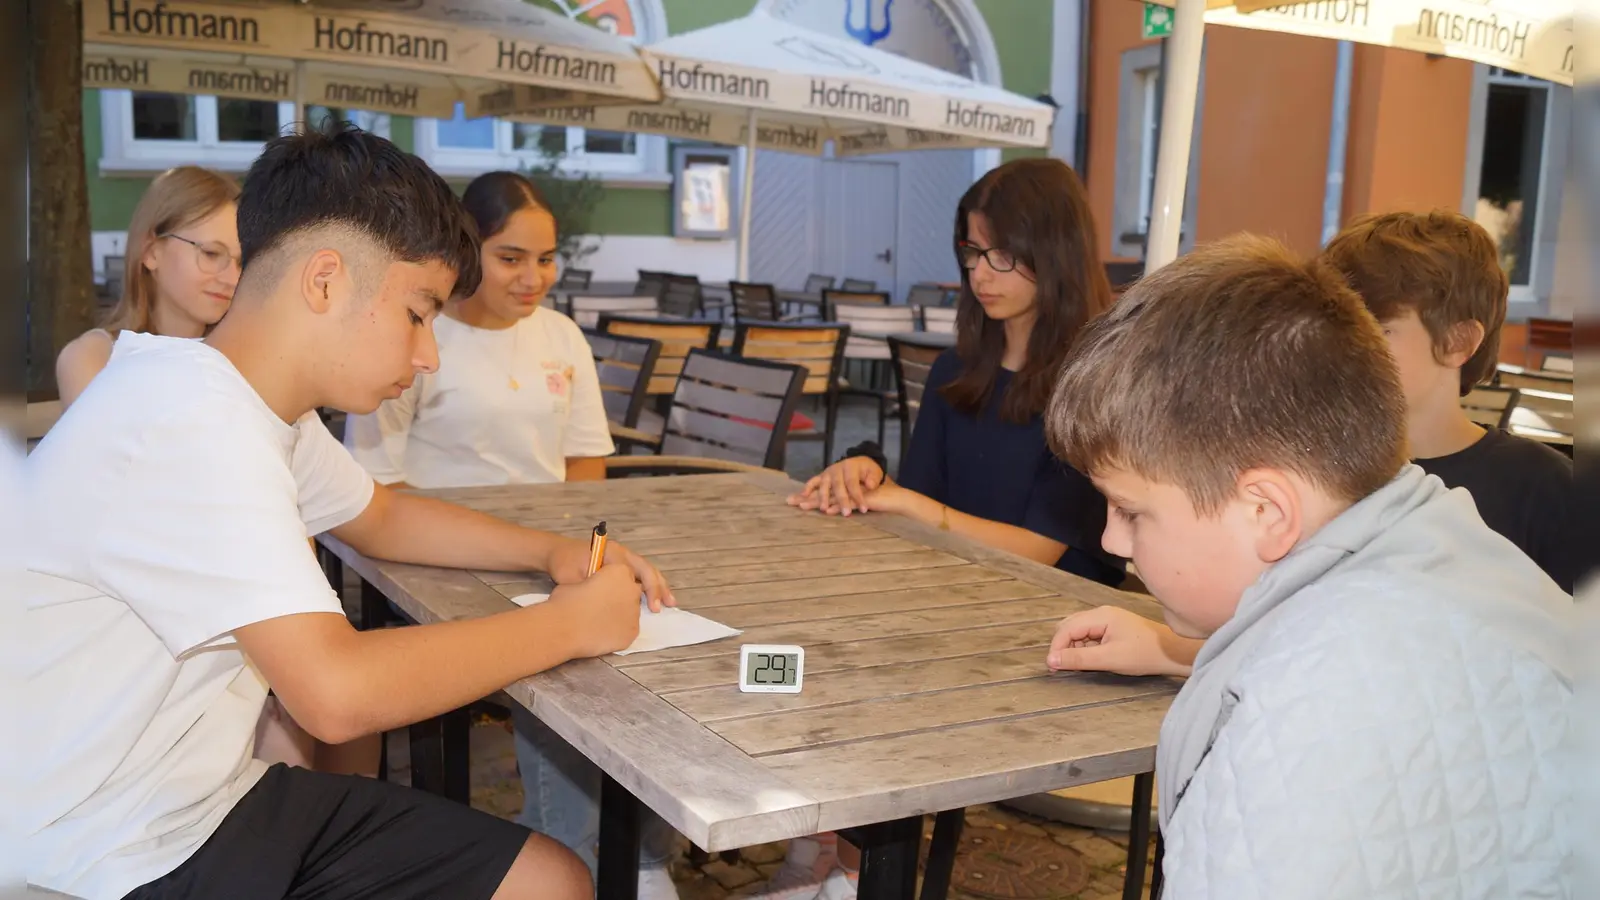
(168,507)
(507,406)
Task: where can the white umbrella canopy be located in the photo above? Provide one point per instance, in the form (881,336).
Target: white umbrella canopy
(1534,37)
(408,56)
(766,84)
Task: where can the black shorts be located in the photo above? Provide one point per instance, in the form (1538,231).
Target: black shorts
(305,834)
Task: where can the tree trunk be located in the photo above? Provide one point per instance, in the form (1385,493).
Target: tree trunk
(60,265)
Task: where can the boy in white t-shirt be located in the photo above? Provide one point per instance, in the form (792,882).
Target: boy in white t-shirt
(169,584)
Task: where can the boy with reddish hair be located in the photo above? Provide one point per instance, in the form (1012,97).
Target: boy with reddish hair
(1434,282)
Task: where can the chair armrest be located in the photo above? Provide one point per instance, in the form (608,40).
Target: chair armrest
(623,435)
(626,466)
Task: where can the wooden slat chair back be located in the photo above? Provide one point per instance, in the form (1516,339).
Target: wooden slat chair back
(832,299)
(925,294)
(587,311)
(859,284)
(816,284)
(1518,377)
(817,348)
(869,324)
(1490,406)
(1560,364)
(913,360)
(683,297)
(625,365)
(575,280)
(754,302)
(1543,413)
(677,339)
(733,409)
(939,319)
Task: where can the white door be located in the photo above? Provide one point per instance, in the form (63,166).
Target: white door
(859,230)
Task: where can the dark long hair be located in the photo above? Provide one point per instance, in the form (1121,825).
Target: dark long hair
(493,197)
(1038,212)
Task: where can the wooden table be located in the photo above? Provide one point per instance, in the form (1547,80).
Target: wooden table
(925,686)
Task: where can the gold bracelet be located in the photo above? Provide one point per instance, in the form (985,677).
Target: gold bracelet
(944,517)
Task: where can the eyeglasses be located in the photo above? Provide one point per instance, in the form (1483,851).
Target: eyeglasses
(999,260)
(211,257)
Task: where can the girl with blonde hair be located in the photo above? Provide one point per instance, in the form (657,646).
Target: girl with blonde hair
(183,246)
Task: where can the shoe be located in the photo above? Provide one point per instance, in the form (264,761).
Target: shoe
(839,885)
(801,875)
(655,883)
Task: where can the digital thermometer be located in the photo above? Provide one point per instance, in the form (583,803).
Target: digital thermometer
(771,668)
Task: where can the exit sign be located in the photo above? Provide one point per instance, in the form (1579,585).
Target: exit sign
(1157,21)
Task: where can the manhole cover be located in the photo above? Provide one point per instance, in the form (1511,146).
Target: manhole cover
(1009,865)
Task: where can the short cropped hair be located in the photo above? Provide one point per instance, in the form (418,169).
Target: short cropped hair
(1237,356)
(339,175)
(1441,264)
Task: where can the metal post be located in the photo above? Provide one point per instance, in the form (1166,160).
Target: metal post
(747,201)
(1338,139)
(1177,131)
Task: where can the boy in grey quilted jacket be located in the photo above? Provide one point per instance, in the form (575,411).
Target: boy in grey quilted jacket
(1383,686)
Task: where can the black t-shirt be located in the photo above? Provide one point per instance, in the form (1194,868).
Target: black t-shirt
(1524,491)
(1004,472)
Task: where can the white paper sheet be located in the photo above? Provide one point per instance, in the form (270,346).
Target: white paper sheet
(659,631)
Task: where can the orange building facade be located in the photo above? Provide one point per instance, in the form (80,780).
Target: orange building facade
(1421,132)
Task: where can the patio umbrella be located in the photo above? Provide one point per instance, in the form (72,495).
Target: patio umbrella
(1533,37)
(415,57)
(763,83)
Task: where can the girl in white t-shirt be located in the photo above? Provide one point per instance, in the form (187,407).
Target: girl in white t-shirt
(515,400)
(183,254)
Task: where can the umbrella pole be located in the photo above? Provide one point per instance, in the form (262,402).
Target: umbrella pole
(300,124)
(1177,131)
(746,201)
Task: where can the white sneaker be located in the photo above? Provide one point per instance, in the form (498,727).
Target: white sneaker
(797,878)
(655,883)
(839,886)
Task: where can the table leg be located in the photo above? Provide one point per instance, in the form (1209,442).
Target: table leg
(1155,873)
(374,607)
(947,827)
(1138,836)
(427,755)
(888,858)
(619,842)
(440,756)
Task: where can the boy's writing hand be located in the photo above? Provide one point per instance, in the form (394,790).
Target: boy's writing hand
(570,563)
(842,488)
(604,610)
(1111,639)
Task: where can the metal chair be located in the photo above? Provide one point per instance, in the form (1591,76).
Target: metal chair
(819,349)
(868,347)
(587,311)
(625,365)
(925,294)
(913,359)
(816,284)
(939,319)
(1491,407)
(859,284)
(735,411)
(575,280)
(683,297)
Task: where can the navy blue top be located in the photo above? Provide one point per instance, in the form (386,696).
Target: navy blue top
(1004,472)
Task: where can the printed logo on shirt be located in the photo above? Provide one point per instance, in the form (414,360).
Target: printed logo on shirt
(557,377)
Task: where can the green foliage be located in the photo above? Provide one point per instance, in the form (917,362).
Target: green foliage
(573,199)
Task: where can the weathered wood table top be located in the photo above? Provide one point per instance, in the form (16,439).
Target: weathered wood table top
(925,685)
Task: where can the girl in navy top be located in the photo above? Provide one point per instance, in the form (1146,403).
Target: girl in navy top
(978,464)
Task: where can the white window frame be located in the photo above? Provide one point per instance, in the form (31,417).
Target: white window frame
(1531,298)
(1137,126)
(470,161)
(121,152)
